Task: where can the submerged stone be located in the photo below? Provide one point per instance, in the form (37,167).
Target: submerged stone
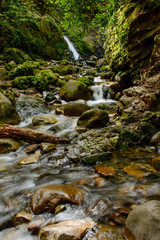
(46,198)
(69,230)
(139,170)
(105,171)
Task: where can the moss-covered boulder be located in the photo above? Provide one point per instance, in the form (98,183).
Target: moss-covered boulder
(16,55)
(22,82)
(24,28)
(75,109)
(63,69)
(86,80)
(8,113)
(46,79)
(42,120)
(25,69)
(8,145)
(94,118)
(74,90)
(130,34)
(3,74)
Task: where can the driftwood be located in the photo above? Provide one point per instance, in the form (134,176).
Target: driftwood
(29,135)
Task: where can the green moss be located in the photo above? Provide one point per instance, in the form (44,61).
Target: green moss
(16,55)
(24,69)
(22,82)
(86,81)
(45,79)
(64,69)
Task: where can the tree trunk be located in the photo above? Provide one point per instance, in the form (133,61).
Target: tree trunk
(29,135)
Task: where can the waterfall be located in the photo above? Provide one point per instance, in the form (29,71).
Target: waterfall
(71,48)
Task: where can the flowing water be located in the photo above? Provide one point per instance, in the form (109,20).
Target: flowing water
(18,182)
(72,48)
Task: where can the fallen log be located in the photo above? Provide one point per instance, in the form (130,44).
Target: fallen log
(29,135)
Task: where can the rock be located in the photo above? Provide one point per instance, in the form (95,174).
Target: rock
(42,120)
(74,90)
(64,69)
(46,198)
(29,106)
(29,159)
(139,170)
(143,222)
(10,94)
(155,138)
(15,54)
(93,119)
(3,74)
(24,69)
(69,230)
(86,81)
(22,217)
(47,147)
(156,162)
(100,208)
(10,65)
(59,208)
(8,145)
(22,82)
(100,62)
(35,225)
(105,170)
(8,113)
(116,87)
(45,80)
(75,109)
(93,159)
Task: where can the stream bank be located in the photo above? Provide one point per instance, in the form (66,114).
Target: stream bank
(92,168)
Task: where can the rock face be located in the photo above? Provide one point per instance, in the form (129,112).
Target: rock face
(74,90)
(93,119)
(129,40)
(75,109)
(46,198)
(143,221)
(8,113)
(69,230)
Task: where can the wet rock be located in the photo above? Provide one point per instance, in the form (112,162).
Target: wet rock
(8,145)
(74,229)
(29,159)
(8,113)
(43,120)
(139,170)
(156,162)
(60,126)
(47,147)
(119,216)
(59,208)
(46,198)
(143,221)
(74,90)
(99,182)
(93,119)
(35,225)
(105,170)
(75,109)
(22,217)
(29,106)
(156,138)
(10,94)
(100,208)
(92,159)
(100,62)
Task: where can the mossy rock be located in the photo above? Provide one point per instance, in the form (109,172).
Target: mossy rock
(10,65)
(64,69)
(86,81)
(100,157)
(10,94)
(45,79)
(74,90)
(25,69)
(8,113)
(43,120)
(95,118)
(22,82)
(3,74)
(75,109)
(16,55)
(8,145)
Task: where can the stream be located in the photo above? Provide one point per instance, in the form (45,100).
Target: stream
(18,182)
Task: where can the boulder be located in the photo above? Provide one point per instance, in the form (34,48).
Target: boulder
(74,90)
(8,113)
(93,119)
(42,120)
(46,198)
(75,109)
(69,230)
(143,222)
(22,82)
(45,79)
(3,74)
(22,217)
(15,54)
(29,106)
(8,145)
